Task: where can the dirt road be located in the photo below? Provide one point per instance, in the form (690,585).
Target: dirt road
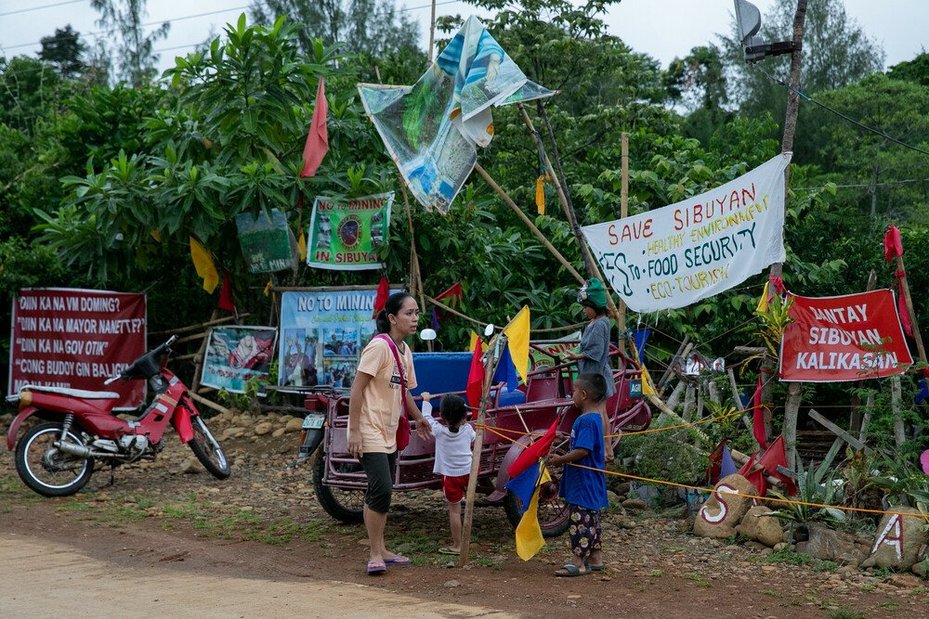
(43,579)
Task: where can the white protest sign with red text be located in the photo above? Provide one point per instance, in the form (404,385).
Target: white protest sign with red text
(676,255)
(66,337)
(849,337)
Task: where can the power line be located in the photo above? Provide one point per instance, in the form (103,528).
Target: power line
(154,23)
(857,123)
(36,8)
(867,185)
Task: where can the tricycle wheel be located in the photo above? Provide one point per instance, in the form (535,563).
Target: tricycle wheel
(554,514)
(344,505)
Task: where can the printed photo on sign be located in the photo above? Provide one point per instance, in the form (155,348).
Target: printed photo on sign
(679,254)
(338,322)
(76,339)
(346,233)
(300,353)
(236,355)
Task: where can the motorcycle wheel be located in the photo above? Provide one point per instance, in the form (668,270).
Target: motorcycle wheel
(46,469)
(208,450)
(554,513)
(344,505)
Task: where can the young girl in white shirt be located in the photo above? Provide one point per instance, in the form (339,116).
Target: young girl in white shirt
(452,458)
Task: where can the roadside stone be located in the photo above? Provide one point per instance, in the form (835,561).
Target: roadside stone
(899,540)
(635,504)
(758,524)
(719,515)
(922,568)
(829,545)
(278,433)
(781,546)
(263,428)
(295,424)
(191,466)
(451,584)
(904,581)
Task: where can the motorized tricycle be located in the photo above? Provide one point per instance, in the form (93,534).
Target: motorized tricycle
(512,421)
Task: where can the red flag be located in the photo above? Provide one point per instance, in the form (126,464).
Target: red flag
(380,299)
(475,385)
(758,417)
(317,140)
(533,452)
(453,294)
(226,299)
(762,464)
(893,244)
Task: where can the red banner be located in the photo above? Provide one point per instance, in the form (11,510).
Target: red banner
(65,337)
(851,337)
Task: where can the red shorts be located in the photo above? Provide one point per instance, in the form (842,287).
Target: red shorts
(454,487)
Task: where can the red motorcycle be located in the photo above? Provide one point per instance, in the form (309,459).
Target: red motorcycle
(57,458)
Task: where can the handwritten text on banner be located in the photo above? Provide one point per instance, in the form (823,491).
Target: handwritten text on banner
(676,255)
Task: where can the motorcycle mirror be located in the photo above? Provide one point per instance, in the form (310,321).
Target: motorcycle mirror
(489,330)
(427,335)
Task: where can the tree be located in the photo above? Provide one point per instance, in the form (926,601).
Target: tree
(369,27)
(64,50)
(916,70)
(836,52)
(133,50)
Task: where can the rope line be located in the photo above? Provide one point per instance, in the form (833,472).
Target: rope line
(862,510)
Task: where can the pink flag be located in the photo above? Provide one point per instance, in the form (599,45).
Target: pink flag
(317,140)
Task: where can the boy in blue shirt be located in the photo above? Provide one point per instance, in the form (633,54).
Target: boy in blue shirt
(584,489)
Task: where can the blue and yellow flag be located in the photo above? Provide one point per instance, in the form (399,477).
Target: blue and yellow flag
(529,539)
(517,335)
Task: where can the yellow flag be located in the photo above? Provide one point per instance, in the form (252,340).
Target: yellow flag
(517,333)
(763,301)
(475,338)
(529,538)
(203,262)
(268,287)
(301,243)
(540,195)
(647,387)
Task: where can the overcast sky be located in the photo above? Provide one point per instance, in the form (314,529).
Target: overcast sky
(662,28)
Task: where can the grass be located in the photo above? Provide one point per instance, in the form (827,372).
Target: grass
(699,580)
(846,613)
(789,557)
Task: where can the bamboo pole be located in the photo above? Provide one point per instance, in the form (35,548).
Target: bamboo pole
(791,411)
(896,401)
(201,325)
(560,186)
(208,403)
(532,227)
(493,350)
(624,211)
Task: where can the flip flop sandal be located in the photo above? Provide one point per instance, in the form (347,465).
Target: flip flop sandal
(596,568)
(376,568)
(398,561)
(445,550)
(569,570)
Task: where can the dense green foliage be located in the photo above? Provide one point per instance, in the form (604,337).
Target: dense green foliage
(103,185)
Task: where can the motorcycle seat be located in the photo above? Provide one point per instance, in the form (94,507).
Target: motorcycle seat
(75,393)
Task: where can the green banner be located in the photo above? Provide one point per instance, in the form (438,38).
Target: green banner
(345,233)
(265,241)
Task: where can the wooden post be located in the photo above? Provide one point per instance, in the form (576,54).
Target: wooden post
(624,210)
(689,397)
(909,308)
(866,420)
(492,351)
(845,436)
(787,144)
(532,227)
(896,398)
(198,359)
(791,411)
(432,33)
(675,397)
